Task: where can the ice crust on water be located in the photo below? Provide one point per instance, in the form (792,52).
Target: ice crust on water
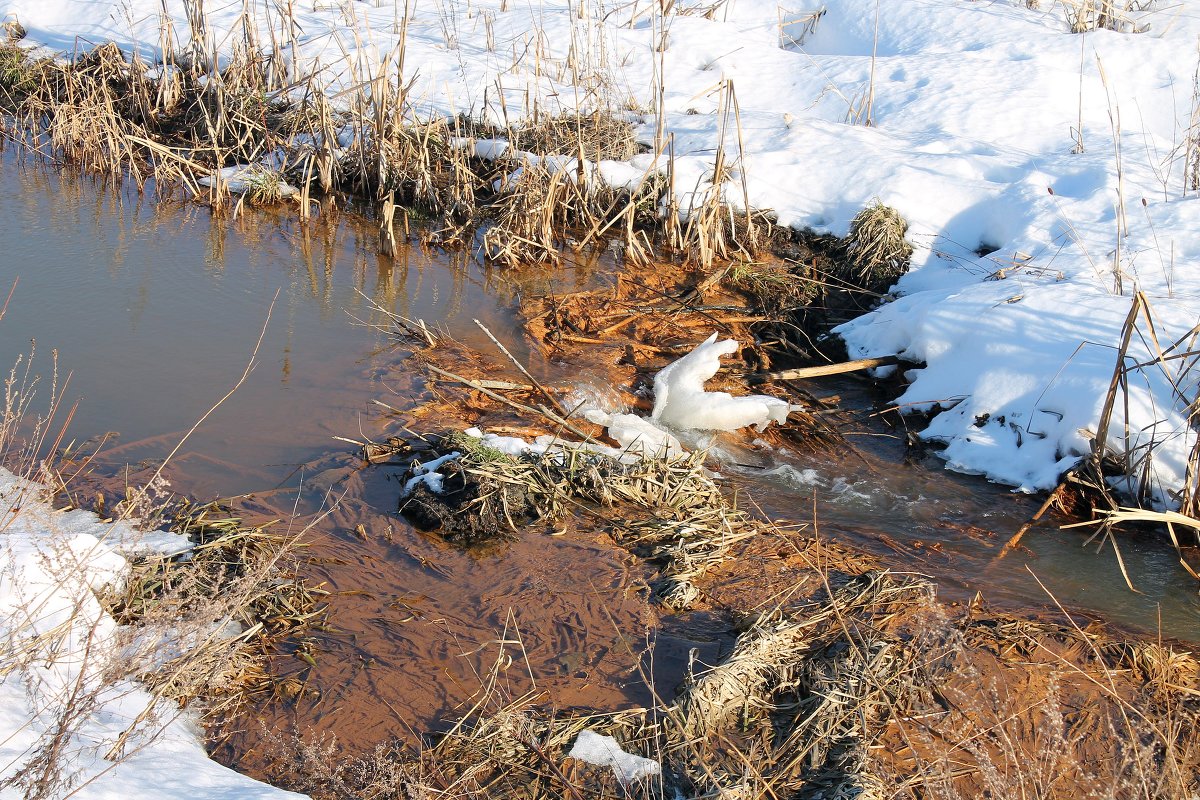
(238,179)
(681,402)
(604,751)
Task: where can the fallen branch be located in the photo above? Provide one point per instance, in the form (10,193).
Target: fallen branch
(825,369)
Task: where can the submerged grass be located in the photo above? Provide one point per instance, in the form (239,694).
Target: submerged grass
(865,690)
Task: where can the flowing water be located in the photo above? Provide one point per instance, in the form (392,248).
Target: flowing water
(154,308)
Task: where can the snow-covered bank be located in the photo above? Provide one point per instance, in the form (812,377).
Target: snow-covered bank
(994,129)
(67,687)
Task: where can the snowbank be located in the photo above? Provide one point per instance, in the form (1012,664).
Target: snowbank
(61,670)
(993,129)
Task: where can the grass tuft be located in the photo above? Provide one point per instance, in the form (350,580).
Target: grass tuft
(878,252)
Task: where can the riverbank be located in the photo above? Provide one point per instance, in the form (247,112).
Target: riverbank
(104,648)
(1033,239)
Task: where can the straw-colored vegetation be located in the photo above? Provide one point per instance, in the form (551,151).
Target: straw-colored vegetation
(529,194)
(878,252)
(667,508)
(1112,15)
(238,577)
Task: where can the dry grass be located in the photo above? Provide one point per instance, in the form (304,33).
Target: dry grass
(1122,468)
(667,508)
(868,690)
(1111,15)
(237,578)
(775,287)
(184,119)
(876,248)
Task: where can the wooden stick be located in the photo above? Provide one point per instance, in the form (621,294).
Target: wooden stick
(545,412)
(541,389)
(825,369)
(1012,543)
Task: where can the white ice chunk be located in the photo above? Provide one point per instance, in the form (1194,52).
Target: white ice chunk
(681,402)
(636,435)
(239,179)
(604,751)
(513,446)
(428,474)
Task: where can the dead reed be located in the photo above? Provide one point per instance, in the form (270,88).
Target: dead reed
(1123,465)
(530,188)
(235,591)
(668,508)
(878,252)
(1111,15)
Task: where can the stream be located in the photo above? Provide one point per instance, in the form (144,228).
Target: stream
(149,312)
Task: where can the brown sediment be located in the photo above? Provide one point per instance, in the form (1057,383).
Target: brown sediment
(847,680)
(859,683)
(880,689)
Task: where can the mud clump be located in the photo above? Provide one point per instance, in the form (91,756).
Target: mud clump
(469,510)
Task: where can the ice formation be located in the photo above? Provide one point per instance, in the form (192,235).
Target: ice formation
(605,751)
(636,435)
(429,475)
(681,402)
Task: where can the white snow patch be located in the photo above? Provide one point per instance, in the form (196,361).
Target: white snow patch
(57,641)
(680,400)
(428,474)
(605,751)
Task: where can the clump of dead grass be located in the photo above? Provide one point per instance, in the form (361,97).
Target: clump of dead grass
(599,135)
(667,507)
(773,285)
(876,248)
(1084,16)
(233,597)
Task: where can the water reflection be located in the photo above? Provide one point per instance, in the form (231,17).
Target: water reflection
(156,305)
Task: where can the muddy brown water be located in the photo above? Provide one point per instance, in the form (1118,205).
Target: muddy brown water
(153,309)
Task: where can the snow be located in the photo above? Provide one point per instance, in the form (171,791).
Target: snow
(993,129)
(427,473)
(241,178)
(604,751)
(680,400)
(58,642)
